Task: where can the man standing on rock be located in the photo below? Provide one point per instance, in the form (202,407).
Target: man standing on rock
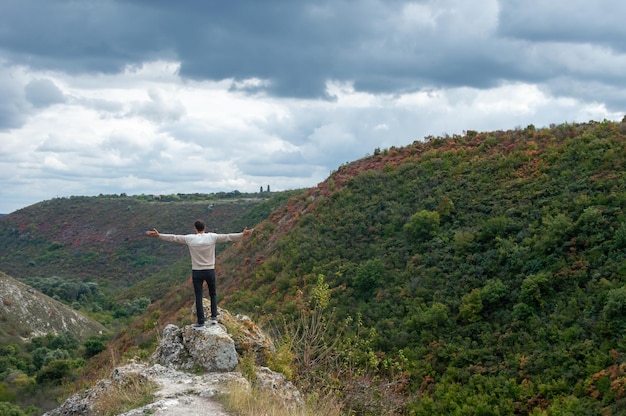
(202,250)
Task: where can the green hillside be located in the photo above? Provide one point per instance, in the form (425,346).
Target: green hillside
(478,274)
(92,254)
(103,238)
(482,274)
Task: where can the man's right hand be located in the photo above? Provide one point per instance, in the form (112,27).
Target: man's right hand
(153,232)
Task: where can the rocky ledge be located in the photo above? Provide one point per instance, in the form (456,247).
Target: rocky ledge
(189,367)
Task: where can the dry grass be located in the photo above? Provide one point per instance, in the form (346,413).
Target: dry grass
(245,401)
(132,392)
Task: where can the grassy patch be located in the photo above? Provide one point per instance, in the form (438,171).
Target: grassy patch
(132,392)
(246,401)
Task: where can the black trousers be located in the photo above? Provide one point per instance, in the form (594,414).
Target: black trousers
(198,277)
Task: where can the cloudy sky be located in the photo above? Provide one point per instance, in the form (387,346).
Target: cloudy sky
(185,96)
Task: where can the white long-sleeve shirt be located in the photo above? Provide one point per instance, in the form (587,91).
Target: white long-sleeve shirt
(201,246)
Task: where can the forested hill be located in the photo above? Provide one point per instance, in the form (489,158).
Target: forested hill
(475,274)
(103,238)
(483,273)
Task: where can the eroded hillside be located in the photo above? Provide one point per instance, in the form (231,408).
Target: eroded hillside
(27,313)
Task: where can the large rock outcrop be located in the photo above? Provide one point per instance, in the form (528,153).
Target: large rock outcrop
(248,337)
(210,348)
(173,369)
(178,393)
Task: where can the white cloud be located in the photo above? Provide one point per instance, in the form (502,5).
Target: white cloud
(214,101)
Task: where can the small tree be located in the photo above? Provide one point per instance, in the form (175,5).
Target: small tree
(423,225)
(94,346)
(471,306)
(369,276)
(615,309)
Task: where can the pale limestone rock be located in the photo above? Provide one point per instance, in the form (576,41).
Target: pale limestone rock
(181,393)
(277,384)
(248,337)
(210,348)
(178,393)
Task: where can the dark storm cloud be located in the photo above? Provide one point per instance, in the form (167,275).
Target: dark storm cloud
(296,46)
(13,106)
(575,21)
(92,35)
(43,92)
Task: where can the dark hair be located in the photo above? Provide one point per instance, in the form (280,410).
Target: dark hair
(199,225)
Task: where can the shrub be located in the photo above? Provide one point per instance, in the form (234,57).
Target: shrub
(615,309)
(94,346)
(493,291)
(423,225)
(5,394)
(369,276)
(55,370)
(463,242)
(471,306)
(534,289)
(7,409)
(434,316)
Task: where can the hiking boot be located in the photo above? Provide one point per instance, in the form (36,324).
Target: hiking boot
(198,326)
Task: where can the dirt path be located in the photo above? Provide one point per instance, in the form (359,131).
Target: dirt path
(186,406)
(184,394)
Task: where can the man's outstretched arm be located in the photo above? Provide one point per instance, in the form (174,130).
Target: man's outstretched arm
(181,239)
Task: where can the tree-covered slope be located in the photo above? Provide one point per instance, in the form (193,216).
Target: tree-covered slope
(488,270)
(103,238)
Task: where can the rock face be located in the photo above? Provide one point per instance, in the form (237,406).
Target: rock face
(249,339)
(247,335)
(174,367)
(210,348)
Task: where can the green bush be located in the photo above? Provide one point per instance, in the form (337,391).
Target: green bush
(471,306)
(534,289)
(94,346)
(423,225)
(8,409)
(5,394)
(55,370)
(369,276)
(615,309)
(493,292)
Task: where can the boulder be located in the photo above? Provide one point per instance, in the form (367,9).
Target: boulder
(278,385)
(248,337)
(189,367)
(210,348)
